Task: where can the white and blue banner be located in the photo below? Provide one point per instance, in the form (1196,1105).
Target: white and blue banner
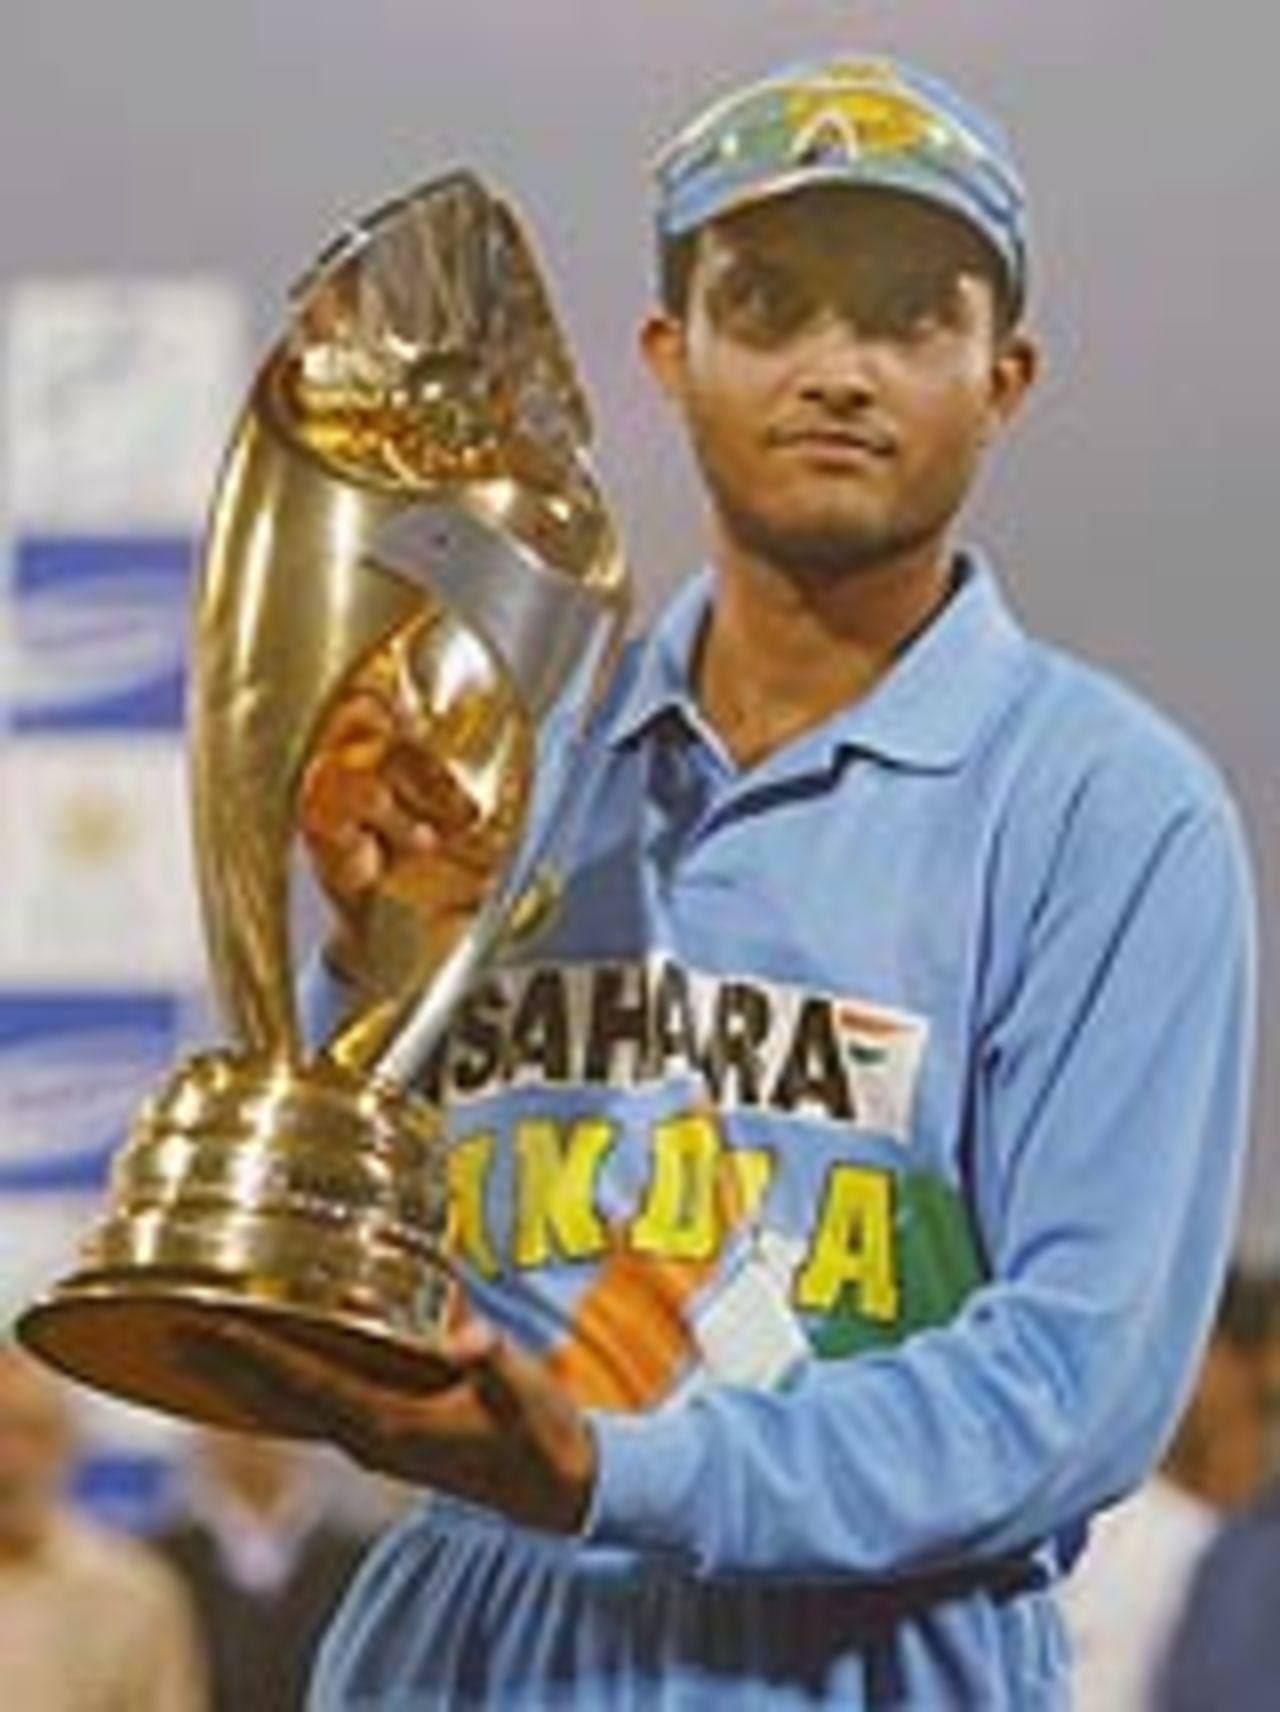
(98,631)
(71,1065)
(118,397)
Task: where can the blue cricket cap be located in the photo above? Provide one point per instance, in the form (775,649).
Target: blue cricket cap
(869,123)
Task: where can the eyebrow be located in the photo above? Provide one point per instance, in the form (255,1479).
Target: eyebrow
(938,271)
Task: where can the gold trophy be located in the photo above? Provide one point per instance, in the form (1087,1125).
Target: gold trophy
(407,547)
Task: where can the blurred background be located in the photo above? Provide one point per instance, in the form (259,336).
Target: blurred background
(165,174)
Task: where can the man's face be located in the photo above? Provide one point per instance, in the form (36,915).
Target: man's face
(840,368)
(34,1450)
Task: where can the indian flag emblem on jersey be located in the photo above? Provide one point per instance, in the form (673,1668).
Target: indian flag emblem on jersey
(882,1051)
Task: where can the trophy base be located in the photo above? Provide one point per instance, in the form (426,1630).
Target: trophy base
(161,1344)
(293,1201)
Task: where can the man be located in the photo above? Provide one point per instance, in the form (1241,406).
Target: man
(1125,1597)
(264,1558)
(89,1622)
(842,1178)
(1220,1451)
(1224,1649)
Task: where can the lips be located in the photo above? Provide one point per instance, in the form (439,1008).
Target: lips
(864,442)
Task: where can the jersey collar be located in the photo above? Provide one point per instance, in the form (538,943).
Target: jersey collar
(925,714)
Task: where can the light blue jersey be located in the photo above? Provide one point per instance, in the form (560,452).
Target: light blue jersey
(859,1143)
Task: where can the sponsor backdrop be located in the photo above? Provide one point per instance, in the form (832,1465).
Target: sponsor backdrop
(118,396)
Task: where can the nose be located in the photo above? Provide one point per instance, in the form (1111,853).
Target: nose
(843,395)
(839,368)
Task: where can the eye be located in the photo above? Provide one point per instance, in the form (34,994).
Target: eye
(759,303)
(909,307)
(905,319)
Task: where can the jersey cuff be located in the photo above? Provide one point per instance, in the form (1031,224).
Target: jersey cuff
(646,1469)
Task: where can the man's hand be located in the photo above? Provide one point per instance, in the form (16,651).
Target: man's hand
(375,813)
(505,1434)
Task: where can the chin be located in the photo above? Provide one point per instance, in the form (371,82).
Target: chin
(824,549)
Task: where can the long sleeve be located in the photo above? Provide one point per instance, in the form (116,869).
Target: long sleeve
(1108,1118)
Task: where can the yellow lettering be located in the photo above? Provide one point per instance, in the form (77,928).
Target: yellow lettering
(681,1219)
(752,1169)
(852,1245)
(467,1169)
(556,1175)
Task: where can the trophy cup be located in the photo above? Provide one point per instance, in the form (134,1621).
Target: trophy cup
(407,521)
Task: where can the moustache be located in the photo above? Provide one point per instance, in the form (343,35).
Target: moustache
(827,431)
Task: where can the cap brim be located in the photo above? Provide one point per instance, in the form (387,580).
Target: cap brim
(905,180)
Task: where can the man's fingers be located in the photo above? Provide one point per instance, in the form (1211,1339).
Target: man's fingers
(303,1391)
(374,1422)
(547,1470)
(256,1386)
(362,715)
(336,803)
(404,833)
(355,869)
(358,830)
(504,1434)
(510,1385)
(470,1342)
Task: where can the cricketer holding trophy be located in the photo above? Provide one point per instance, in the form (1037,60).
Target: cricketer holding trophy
(844,1133)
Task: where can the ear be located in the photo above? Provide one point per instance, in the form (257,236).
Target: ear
(662,346)
(1014,372)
